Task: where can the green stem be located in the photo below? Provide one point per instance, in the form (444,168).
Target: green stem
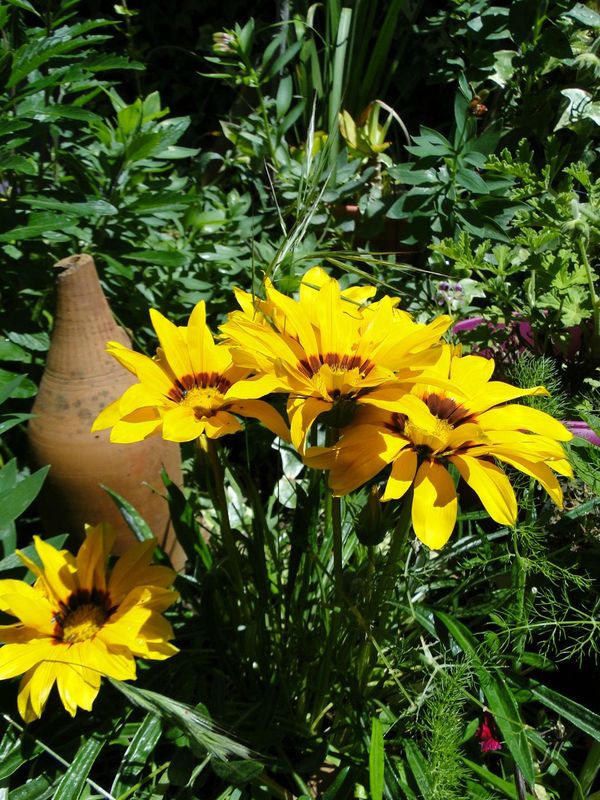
(519,582)
(338,558)
(220,499)
(593,296)
(399,538)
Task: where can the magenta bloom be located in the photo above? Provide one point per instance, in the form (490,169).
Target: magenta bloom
(486,733)
(583,430)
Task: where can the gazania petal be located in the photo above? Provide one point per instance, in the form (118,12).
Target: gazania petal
(265,413)
(526,418)
(140,425)
(220,424)
(402,476)
(145,369)
(496,392)
(93,555)
(491,485)
(18,658)
(180,424)
(74,691)
(58,574)
(302,412)
(173,344)
(540,471)
(28,605)
(35,688)
(108,416)
(434,505)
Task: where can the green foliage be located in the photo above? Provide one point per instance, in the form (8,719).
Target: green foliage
(371,686)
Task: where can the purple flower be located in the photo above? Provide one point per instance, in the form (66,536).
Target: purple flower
(467,324)
(583,430)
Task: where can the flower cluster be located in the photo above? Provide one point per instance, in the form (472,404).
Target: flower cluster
(78,622)
(401,406)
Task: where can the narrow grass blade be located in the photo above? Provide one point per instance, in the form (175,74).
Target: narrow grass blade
(584,719)
(376,760)
(140,748)
(506,787)
(73,781)
(418,766)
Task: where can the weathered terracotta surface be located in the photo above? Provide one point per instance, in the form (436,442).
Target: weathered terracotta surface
(80,379)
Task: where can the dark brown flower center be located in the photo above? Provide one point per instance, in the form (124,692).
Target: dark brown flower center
(446,408)
(339,362)
(200,380)
(82,616)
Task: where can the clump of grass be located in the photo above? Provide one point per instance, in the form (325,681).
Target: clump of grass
(443,726)
(532,370)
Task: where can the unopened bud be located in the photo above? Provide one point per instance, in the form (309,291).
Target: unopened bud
(371,525)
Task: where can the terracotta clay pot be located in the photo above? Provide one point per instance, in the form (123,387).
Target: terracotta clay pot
(80,379)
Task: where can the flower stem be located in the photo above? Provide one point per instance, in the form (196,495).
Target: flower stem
(220,499)
(399,538)
(593,296)
(338,558)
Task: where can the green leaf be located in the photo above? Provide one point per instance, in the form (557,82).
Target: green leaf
(38,229)
(191,721)
(132,517)
(39,342)
(471,181)
(499,697)
(376,760)
(579,715)
(7,388)
(507,787)
(139,750)
(163,258)
(24,388)
(284,96)
(419,768)
(522,18)
(88,208)
(585,15)
(337,790)
(14,501)
(11,421)
(40,788)
(237,772)
(25,5)
(56,112)
(14,562)
(73,781)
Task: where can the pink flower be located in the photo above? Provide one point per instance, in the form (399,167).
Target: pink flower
(583,430)
(486,733)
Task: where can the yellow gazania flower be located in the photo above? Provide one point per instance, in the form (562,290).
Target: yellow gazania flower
(189,389)
(420,429)
(77,623)
(325,348)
